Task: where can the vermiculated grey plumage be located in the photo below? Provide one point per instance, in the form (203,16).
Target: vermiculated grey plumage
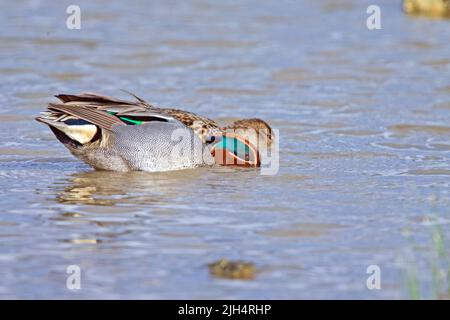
(160,146)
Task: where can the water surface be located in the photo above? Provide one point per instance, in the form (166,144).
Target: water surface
(364,121)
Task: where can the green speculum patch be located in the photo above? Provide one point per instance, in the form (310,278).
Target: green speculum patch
(126,119)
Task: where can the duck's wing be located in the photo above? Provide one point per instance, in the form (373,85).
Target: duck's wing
(124,107)
(61,111)
(105,112)
(91,98)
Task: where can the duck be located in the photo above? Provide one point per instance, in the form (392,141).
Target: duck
(122,135)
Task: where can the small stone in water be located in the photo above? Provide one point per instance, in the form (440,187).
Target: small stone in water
(237,269)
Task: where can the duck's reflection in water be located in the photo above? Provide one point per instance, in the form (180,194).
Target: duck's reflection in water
(105,188)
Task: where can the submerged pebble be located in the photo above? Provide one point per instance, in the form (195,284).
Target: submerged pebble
(236,269)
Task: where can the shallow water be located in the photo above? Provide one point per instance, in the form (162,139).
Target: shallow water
(364,121)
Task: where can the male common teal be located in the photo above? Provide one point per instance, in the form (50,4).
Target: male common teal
(120,135)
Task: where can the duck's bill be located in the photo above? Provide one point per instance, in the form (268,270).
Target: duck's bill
(234,150)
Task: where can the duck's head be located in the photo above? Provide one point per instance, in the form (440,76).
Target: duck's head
(256,130)
(242,143)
